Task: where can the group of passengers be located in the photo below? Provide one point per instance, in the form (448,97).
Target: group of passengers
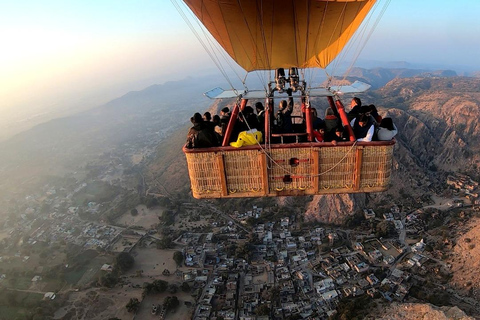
(368,125)
(209,132)
(365,121)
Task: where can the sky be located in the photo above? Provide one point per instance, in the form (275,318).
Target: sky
(60,55)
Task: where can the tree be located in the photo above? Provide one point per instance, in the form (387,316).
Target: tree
(124,261)
(170,302)
(178,258)
(172,288)
(133,305)
(134,212)
(165,243)
(185,287)
(108,280)
(157,286)
(164,201)
(12,298)
(262,310)
(151,202)
(385,228)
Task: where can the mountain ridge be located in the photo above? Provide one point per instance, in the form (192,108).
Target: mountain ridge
(431,143)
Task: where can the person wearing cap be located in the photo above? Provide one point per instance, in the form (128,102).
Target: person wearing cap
(331,120)
(319,132)
(374,113)
(317,122)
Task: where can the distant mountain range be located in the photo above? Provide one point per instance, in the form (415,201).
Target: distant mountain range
(378,77)
(137,119)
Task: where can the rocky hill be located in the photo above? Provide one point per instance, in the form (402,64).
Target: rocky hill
(419,311)
(378,77)
(438,134)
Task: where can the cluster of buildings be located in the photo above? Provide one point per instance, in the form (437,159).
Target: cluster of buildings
(305,273)
(289,272)
(465,184)
(49,220)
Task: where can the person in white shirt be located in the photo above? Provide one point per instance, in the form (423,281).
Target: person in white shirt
(363,128)
(386,130)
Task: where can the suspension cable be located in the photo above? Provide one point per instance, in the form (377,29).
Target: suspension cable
(359,41)
(209,45)
(366,34)
(267,154)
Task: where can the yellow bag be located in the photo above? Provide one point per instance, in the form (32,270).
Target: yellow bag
(247,138)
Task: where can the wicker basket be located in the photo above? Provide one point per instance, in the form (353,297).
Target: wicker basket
(290,169)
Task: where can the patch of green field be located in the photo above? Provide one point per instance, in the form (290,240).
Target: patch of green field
(53,285)
(12,313)
(22,283)
(97,191)
(86,272)
(74,275)
(18,305)
(93,270)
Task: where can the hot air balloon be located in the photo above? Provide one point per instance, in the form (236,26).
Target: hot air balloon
(286,36)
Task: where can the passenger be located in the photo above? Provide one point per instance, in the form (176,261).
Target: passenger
(319,133)
(224,119)
(338,135)
(250,118)
(207,118)
(218,128)
(317,122)
(247,120)
(284,114)
(373,111)
(260,116)
(363,128)
(200,135)
(218,125)
(387,130)
(331,120)
(355,108)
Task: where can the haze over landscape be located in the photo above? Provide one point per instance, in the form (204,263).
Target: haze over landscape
(59,58)
(97,218)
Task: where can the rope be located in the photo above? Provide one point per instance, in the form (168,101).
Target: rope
(211,54)
(360,39)
(362,43)
(264,151)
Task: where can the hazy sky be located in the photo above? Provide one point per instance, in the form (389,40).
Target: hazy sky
(58,54)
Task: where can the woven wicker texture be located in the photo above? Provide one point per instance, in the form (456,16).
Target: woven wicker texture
(290,171)
(337,168)
(204,174)
(244,172)
(376,166)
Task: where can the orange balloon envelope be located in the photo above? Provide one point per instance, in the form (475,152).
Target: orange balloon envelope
(270,34)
